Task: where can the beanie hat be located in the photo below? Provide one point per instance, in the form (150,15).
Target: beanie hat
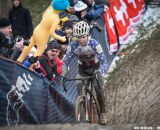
(67,25)
(60,5)
(79,6)
(73,18)
(53,45)
(4,22)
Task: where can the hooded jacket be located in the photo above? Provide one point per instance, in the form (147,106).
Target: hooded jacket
(21,21)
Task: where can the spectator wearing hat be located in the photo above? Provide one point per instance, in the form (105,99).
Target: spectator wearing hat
(73,18)
(68,29)
(80,10)
(8,46)
(62,44)
(89,11)
(21,20)
(49,65)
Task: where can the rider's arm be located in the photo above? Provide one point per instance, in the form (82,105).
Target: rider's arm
(102,59)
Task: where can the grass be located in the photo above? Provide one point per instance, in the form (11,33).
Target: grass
(36,8)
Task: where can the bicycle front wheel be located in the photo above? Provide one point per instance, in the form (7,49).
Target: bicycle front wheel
(80,110)
(93,108)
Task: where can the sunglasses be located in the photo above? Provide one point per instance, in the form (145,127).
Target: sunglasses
(54,51)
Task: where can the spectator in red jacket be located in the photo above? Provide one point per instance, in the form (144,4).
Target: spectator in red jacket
(49,64)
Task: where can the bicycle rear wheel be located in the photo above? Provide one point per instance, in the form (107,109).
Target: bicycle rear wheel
(80,110)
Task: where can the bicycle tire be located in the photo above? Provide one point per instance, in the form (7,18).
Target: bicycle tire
(93,109)
(80,110)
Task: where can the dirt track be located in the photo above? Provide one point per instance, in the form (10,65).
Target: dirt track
(133,93)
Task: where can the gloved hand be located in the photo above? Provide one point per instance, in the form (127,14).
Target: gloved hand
(64,70)
(33,59)
(26,63)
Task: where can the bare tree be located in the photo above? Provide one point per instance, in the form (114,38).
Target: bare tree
(5,5)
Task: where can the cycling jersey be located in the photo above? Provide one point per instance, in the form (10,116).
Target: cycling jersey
(88,56)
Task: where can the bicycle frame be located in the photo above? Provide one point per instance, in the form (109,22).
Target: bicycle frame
(87,100)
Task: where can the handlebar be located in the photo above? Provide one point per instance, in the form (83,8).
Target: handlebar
(94,76)
(82,78)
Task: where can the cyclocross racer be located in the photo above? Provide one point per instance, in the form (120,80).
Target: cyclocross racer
(91,59)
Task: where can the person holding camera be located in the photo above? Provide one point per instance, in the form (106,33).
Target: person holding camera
(9,47)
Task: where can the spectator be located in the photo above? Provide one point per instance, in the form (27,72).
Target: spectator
(80,10)
(20,19)
(49,64)
(73,18)
(63,44)
(94,11)
(91,59)
(8,46)
(68,29)
(89,15)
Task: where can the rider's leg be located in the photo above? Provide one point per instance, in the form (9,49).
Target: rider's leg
(100,93)
(101,98)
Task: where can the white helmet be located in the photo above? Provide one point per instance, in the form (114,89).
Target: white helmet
(81,28)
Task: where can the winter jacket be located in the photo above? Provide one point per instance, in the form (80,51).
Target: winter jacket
(49,68)
(94,12)
(21,21)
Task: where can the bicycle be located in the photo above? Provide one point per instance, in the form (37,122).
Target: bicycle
(86,107)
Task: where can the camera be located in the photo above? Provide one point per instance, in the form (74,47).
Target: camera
(9,42)
(95,25)
(25,42)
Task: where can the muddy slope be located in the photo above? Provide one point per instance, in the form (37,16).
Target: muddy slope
(133,91)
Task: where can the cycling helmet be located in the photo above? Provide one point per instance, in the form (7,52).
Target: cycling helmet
(60,5)
(81,28)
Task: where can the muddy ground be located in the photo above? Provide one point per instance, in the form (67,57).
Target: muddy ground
(132,92)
